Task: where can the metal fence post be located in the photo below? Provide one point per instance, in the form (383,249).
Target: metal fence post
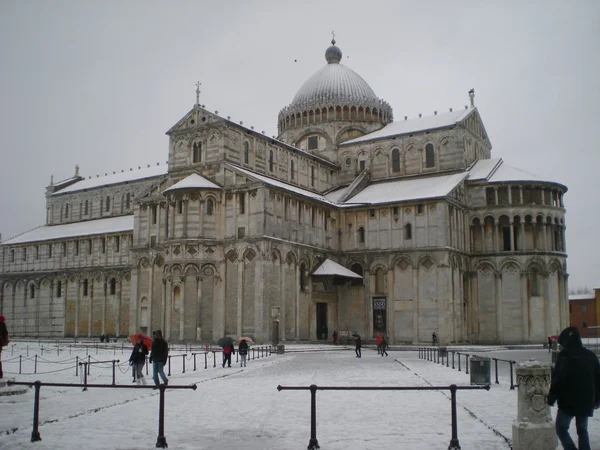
(113,372)
(146,365)
(313,443)
(35,364)
(161,441)
(453,359)
(184,362)
(88,364)
(85,374)
(206,360)
(512,385)
(194,361)
(20,358)
(467,363)
(77,366)
(214,359)
(35,434)
(454,445)
(458,361)
(496,363)
(169,374)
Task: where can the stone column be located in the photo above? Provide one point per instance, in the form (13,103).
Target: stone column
(91,307)
(525,307)
(240,294)
(512,235)
(104,308)
(171,226)
(522,233)
(118,324)
(199,307)
(533,429)
(499,314)
(163,304)
(169,306)
(495,239)
(482,226)
(201,216)
(77,301)
(415,305)
(509,195)
(297,300)
(182,307)
(185,201)
(521,195)
(51,300)
(133,302)
(496,196)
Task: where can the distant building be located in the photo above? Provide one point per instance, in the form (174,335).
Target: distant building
(584,310)
(345,221)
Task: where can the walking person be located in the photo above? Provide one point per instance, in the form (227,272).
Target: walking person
(576,386)
(3,340)
(158,357)
(227,352)
(243,351)
(379,341)
(384,345)
(137,360)
(358,346)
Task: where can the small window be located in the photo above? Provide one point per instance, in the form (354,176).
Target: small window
(396,160)
(197,152)
(37,252)
(246,153)
(241,232)
(31,291)
(361,235)
(210,205)
(66,211)
(103,245)
(420,208)
(59,289)
(429,156)
(86,208)
(583,308)
(302,280)
(292,169)
(362,165)
(312,176)
(49,251)
(12,256)
(372,213)
(270,160)
(85,288)
(313,143)
(113,287)
(24,253)
(63,248)
(534,283)
(242,203)
(179,207)
(154,214)
(117,244)
(408,232)
(299,213)
(76,248)
(313,216)
(395,210)
(90,246)
(357,269)
(128,201)
(107,203)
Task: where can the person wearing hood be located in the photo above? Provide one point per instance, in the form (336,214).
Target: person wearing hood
(575,386)
(158,357)
(138,360)
(3,340)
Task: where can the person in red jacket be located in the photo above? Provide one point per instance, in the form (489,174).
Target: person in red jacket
(227,352)
(379,344)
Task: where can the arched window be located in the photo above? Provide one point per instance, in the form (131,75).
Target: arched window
(209,207)
(270,160)
(357,269)
(246,153)
(292,169)
(85,288)
(429,156)
(197,152)
(408,232)
(32,291)
(86,207)
(107,203)
(113,287)
(59,289)
(533,283)
(128,201)
(302,277)
(396,160)
(361,235)
(66,210)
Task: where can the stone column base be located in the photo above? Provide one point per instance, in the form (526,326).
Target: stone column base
(533,436)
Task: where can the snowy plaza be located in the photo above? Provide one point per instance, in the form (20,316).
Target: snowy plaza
(241,408)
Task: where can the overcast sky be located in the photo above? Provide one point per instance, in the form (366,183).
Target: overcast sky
(99,83)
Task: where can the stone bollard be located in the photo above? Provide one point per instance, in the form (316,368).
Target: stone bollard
(533,429)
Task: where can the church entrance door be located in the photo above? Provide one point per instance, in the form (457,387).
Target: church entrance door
(322,331)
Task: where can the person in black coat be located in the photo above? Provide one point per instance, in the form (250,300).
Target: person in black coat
(158,357)
(358,346)
(3,340)
(138,360)
(576,386)
(243,351)
(227,352)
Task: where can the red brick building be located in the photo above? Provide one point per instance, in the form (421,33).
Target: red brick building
(584,310)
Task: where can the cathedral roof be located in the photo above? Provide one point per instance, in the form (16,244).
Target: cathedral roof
(495,170)
(77,229)
(193,181)
(123,177)
(415,125)
(329,267)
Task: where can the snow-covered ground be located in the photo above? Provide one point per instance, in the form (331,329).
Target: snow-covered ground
(241,408)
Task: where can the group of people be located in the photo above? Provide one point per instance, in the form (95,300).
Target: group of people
(229,350)
(158,358)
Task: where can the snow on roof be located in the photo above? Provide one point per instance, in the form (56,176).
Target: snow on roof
(329,267)
(582,297)
(193,181)
(414,125)
(71,230)
(281,184)
(483,168)
(510,173)
(335,195)
(123,177)
(409,189)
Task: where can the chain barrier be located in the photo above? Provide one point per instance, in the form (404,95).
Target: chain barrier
(41,373)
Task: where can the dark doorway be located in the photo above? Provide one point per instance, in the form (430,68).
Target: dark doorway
(379,314)
(322,331)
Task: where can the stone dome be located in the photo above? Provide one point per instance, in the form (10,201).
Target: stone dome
(335,92)
(333,83)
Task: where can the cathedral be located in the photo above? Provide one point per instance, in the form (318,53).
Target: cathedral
(347,221)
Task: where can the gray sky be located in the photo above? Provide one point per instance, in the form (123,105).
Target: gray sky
(98,83)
